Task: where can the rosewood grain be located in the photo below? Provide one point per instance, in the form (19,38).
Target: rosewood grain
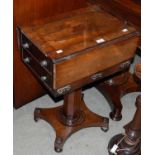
(70,71)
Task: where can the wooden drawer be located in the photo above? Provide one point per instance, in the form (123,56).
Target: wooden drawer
(95,77)
(42,59)
(39,71)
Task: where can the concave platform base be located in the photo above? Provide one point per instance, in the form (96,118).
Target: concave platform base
(115,88)
(56,117)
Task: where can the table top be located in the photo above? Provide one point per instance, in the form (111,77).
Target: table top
(75,31)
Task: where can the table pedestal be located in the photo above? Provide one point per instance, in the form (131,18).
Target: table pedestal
(72,116)
(130,142)
(115,88)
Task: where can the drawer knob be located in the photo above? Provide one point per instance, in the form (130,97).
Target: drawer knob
(43,78)
(26,46)
(43,63)
(26,60)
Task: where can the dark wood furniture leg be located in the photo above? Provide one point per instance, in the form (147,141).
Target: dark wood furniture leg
(72,116)
(130,143)
(113,89)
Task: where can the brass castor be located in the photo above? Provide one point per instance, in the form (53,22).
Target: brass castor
(36,114)
(58,144)
(115,116)
(58,150)
(105,128)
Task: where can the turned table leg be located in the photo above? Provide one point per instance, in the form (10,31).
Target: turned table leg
(113,89)
(72,116)
(129,143)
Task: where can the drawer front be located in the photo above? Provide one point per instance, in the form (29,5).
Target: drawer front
(42,59)
(36,68)
(92,62)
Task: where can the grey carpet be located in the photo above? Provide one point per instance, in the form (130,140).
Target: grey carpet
(32,138)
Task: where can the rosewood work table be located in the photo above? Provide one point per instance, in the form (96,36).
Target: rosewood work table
(70,51)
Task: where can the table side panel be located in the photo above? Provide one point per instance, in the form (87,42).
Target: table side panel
(92,62)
